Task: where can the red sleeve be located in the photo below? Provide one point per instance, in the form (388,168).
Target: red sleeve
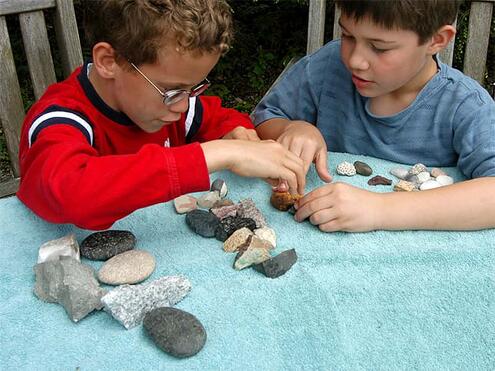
(217,121)
(64,180)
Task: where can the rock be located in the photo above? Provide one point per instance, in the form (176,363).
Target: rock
(128,304)
(247,209)
(362,168)
(435,172)
(256,251)
(231,224)
(65,246)
(223,202)
(185,203)
(379,180)
(68,282)
(225,211)
(129,267)
(175,331)
(202,222)
(423,177)
(444,180)
(104,245)
(346,168)
(429,184)
(278,265)
(404,186)
(283,200)
(207,200)
(267,234)
(292,210)
(416,169)
(220,186)
(399,172)
(237,239)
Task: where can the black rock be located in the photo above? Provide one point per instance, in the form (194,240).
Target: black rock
(202,222)
(175,331)
(104,245)
(363,168)
(230,224)
(278,265)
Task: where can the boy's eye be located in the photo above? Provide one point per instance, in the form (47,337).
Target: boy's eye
(378,50)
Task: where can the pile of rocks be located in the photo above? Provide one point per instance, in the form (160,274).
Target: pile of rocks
(241,227)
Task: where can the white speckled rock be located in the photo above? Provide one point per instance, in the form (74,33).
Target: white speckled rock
(404,186)
(436,172)
(207,200)
(399,172)
(185,203)
(267,234)
(130,267)
(423,177)
(444,180)
(429,184)
(346,168)
(416,169)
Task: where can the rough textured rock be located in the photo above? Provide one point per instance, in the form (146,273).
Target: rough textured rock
(267,234)
(237,239)
(129,304)
(104,245)
(220,186)
(129,267)
(185,203)
(175,331)
(379,180)
(254,253)
(224,211)
(202,222)
(248,209)
(362,168)
(404,186)
(65,246)
(416,169)
(207,200)
(68,282)
(231,224)
(346,168)
(423,177)
(278,265)
(283,201)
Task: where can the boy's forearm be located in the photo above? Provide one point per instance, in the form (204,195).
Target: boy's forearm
(272,129)
(467,205)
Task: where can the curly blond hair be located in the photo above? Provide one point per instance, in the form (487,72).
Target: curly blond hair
(139,29)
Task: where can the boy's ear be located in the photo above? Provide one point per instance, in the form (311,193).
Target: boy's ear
(104,59)
(441,39)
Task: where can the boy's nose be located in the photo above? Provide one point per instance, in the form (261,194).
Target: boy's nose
(357,60)
(180,107)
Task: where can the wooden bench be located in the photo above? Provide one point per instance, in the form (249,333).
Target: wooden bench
(40,63)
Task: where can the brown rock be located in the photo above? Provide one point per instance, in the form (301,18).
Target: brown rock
(379,180)
(283,200)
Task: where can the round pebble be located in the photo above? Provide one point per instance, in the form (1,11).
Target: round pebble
(429,184)
(362,168)
(104,245)
(202,222)
(444,180)
(127,268)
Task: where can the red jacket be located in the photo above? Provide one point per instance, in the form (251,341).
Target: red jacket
(84,163)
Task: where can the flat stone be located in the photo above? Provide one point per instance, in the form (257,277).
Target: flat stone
(202,222)
(248,209)
(175,331)
(444,180)
(231,224)
(267,234)
(104,245)
(399,172)
(128,304)
(185,203)
(362,168)
(65,246)
(429,184)
(379,180)
(127,268)
(68,282)
(207,200)
(278,265)
(237,239)
(220,186)
(283,201)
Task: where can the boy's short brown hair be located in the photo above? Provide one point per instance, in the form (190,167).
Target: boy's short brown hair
(424,17)
(138,29)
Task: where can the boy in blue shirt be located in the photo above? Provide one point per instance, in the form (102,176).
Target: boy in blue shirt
(382,91)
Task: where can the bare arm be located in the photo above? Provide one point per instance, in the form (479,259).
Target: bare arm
(272,129)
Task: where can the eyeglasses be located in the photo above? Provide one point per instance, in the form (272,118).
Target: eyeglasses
(173,96)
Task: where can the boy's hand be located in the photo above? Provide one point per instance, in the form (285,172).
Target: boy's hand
(341,207)
(242,133)
(306,141)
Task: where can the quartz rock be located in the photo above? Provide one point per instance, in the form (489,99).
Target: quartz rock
(379,180)
(202,222)
(220,186)
(435,172)
(175,331)
(423,177)
(127,268)
(404,186)
(65,246)
(237,239)
(207,200)
(429,184)
(346,168)
(278,265)
(399,172)
(416,169)
(104,245)
(128,304)
(267,234)
(247,209)
(231,224)
(362,168)
(185,203)
(283,200)
(68,282)
(444,180)
(256,252)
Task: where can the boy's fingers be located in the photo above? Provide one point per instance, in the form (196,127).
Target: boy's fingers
(321,165)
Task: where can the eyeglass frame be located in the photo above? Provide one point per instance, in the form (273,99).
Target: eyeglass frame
(179,94)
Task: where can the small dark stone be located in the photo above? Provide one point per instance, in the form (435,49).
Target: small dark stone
(379,180)
(278,265)
(363,168)
(220,186)
(230,224)
(202,222)
(292,210)
(175,331)
(104,245)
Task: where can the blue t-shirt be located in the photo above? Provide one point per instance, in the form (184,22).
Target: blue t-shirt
(450,123)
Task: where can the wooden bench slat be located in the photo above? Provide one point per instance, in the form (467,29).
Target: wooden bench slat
(20,6)
(37,49)
(316,25)
(480,18)
(68,36)
(11,107)
(9,187)
(447,55)
(337,32)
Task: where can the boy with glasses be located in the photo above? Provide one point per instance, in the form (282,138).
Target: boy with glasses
(129,129)
(381,91)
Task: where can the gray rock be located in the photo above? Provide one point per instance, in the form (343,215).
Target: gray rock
(65,246)
(202,222)
(248,209)
(399,172)
(68,282)
(175,331)
(220,186)
(208,199)
(278,265)
(362,168)
(127,268)
(129,304)
(231,224)
(104,245)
